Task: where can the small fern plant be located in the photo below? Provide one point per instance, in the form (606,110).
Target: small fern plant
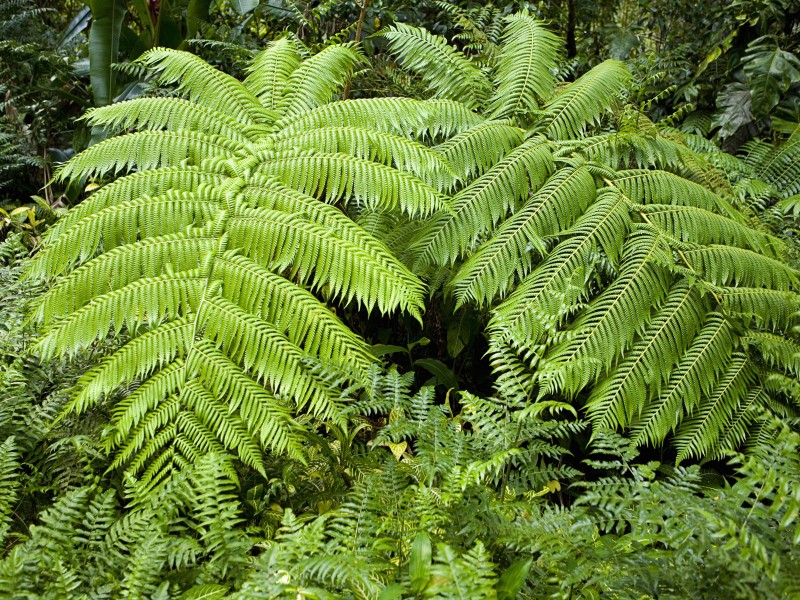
(220,247)
(618,268)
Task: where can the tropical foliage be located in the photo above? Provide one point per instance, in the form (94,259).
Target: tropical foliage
(489,319)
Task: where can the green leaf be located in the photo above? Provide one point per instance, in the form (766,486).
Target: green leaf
(419,564)
(439,370)
(512,579)
(107,18)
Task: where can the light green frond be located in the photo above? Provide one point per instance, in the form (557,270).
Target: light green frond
(266,418)
(173,114)
(225,425)
(350,272)
(443,68)
(130,411)
(401,116)
(143,355)
(524,68)
(154,182)
(386,148)
(266,354)
(475,150)
(342,177)
(771,309)
(478,207)
(778,168)
(700,226)
(147,150)
(270,70)
(156,429)
(121,266)
(203,84)
(144,301)
(620,149)
(609,324)
(691,379)
(125,223)
(510,252)
(777,351)
(723,265)
(622,395)
(585,100)
(547,296)
(305,321)
(662,187)
(9,480)
(513,373)
(737,431)
(264,192)
(698,435)
(318,79)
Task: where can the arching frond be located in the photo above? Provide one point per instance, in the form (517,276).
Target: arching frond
(611,321)
(342,177)
(692,378)
(203,84)
(700,226)
(509,253)
(386,148)
(401,116)
(777,351)
(166,113)
(768,308)
(270,70)
(547,296)
(147,150)
(478,207)
(723,265)
(583,101)
(641,374)
(443,68)
(475,150)
(317,79)
(524,67)
(662,187)
(700,433)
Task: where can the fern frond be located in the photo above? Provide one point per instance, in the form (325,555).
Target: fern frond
(475,150)
(317,79)
(443,68)
(509,253)
(270,70)
(147,150)
(202,84)
(546,296)
(341,176)
(777,351)
(173,114)
(700,434)
(478,207)
(147,300)
(611,321)
(700,226)
(691,379)
(155,182)
(386,148)
(524,67)
(279,240)
(768,308)
(662,187)
(124,223)
(722,265)
(9,481)
(401,116)
(640,375)
(584,101)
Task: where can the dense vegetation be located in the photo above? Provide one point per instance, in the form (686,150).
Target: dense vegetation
(399,300)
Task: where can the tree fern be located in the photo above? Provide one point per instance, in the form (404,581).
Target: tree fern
(207,255)
(618,266)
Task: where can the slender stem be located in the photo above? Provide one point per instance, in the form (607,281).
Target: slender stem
(359,26)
